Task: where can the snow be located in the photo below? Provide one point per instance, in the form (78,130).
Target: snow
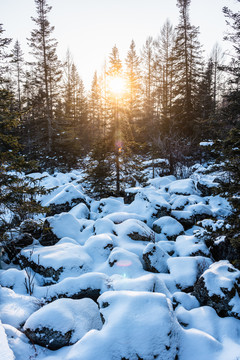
(168,226)
(5,351)
(221,275)
(182,187)
(94,281)
(123,334)
(64,315)
(14,308)
(65,224)
(186,270)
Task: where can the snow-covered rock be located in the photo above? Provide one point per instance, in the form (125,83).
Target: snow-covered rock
(123,333)
(90,285)
(155,259)
(182,187)
(62,322)
(219,287)
(59,226)
(135,230)
(64,198)
(58,261)
(168,226)
(190,245)
(186,270)
(5,351)
(15,308)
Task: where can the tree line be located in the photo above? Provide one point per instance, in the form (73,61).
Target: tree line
(173,99)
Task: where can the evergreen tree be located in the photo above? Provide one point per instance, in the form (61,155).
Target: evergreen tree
(47,67)
(188,65)
(163,73)
(133,97)
(4,42)
(17,61)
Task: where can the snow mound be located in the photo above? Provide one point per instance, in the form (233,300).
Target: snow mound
(123,334)
(62,322)
(168,226)
(182,187)
(219,287)
(5,351)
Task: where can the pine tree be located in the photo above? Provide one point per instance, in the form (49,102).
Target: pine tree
(163,73)
(4,42)
(188,65)
(133,97)
(47,67)
(17,62)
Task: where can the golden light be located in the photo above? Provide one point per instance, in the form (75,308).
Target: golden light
(117,85)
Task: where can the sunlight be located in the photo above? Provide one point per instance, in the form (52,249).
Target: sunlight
(117,85)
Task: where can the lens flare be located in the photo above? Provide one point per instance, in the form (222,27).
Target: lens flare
(124,263)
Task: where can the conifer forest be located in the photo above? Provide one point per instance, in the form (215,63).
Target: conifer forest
(120,203)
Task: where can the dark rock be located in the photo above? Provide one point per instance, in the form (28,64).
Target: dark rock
(49,338)
(155,259)
(129,197)
(32,227)
(222,249)
(225,291)
(14,242)
(47,272)
(48,238)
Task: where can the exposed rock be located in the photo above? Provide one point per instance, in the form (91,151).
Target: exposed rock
(48,237)
(14,242)
(219,287)
(186,218)
(32,227)
(155,259)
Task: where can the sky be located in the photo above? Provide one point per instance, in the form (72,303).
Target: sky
(90,28)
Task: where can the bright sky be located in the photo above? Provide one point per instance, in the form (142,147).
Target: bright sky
(90,28)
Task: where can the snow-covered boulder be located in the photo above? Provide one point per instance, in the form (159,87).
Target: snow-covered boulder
(80,211)
(103,226)
(64,198)
(59,226)
(155,258)
(137,325)
(62,322)
(168,226)
(99,247)
(119,217)
(219,287)
(135,230)
(182,187)
(122,262)
(15,308)
(5,352)
(58,261)
(90,285)
(149,282)
(187,301)
(186,218)
(14,279)
(186,270)
(190,245)
(200,211)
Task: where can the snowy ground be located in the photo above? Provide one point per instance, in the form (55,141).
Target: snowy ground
(122,280)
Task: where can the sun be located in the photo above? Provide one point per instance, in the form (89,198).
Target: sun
(117,85)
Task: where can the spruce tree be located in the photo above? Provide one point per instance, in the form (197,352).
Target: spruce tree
(46,67)
(187,65)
